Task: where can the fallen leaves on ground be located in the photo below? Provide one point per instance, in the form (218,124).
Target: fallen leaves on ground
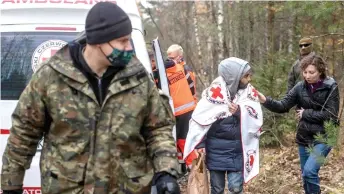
(280,173)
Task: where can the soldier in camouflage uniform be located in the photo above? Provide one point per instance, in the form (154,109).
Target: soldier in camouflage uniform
(294,76)
(106,127)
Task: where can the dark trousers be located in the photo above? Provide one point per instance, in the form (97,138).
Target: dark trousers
(182,129)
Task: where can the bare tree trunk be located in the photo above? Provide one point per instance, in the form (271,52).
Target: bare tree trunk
(332,64)
(280,37)
(210,57)
(220,31)
(261,40)
(242,43)
(323,26)
(270,27)
(295,32)
(188,38)
(250,53)
(266,40)
(198,43)
(234,35)
(215,44)
(225,32)
(230,31)
(291,34)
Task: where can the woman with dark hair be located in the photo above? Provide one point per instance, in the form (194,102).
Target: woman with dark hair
(317,101)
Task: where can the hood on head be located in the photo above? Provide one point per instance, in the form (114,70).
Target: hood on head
(232,70)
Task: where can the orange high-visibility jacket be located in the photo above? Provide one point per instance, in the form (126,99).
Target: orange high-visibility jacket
(191,78)
(183,99)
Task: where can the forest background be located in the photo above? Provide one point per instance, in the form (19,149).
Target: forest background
(265,33)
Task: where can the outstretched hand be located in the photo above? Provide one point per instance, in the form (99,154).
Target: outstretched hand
(261,97)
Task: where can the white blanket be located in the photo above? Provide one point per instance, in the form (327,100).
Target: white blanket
(214,105)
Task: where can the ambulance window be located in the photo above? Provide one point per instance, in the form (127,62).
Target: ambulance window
(17,51)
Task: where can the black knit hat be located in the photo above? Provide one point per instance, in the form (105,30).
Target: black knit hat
(106,21)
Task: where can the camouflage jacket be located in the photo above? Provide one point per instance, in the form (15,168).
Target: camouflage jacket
(88,148)
(294,75)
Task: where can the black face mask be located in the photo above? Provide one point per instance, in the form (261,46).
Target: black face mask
(242,86)
(119,58)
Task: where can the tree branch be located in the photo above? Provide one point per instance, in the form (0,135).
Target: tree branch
(193,66)
(284,186)
(155,24)
(329,34)
(268,130)
(335,191)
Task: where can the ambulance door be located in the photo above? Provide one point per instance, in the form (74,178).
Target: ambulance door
(162,75)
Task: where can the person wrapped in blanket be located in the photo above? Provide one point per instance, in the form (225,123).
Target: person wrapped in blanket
(222,143)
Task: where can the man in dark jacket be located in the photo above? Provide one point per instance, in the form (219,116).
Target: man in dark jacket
(106,127)
(294,75)
(224,153)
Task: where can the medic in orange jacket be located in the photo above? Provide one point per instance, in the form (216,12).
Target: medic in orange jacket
(182,89)
(184,100)
(190,77)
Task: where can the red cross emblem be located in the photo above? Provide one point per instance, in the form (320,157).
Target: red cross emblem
(251,160)
(216,92)
(255,92)
(52,52)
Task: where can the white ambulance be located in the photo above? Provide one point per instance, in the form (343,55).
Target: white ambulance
(31,32)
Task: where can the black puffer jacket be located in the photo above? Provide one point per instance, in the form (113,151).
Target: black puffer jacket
(320,106)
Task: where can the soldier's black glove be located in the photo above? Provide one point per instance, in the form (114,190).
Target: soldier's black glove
(17,191)
(164,183)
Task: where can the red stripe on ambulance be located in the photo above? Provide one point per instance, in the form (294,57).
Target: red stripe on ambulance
(30,190)
(56,28)
(4,131)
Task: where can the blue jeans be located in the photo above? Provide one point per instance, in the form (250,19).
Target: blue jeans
(310,166)
(217,182)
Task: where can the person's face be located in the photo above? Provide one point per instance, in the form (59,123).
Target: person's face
(122,44)
(245,81)
(311,74)
(305,48)
(174,56)
(152,59)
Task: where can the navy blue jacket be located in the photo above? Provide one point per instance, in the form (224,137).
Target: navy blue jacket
(223,145)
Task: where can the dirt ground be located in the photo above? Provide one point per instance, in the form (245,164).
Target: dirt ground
(280,172)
